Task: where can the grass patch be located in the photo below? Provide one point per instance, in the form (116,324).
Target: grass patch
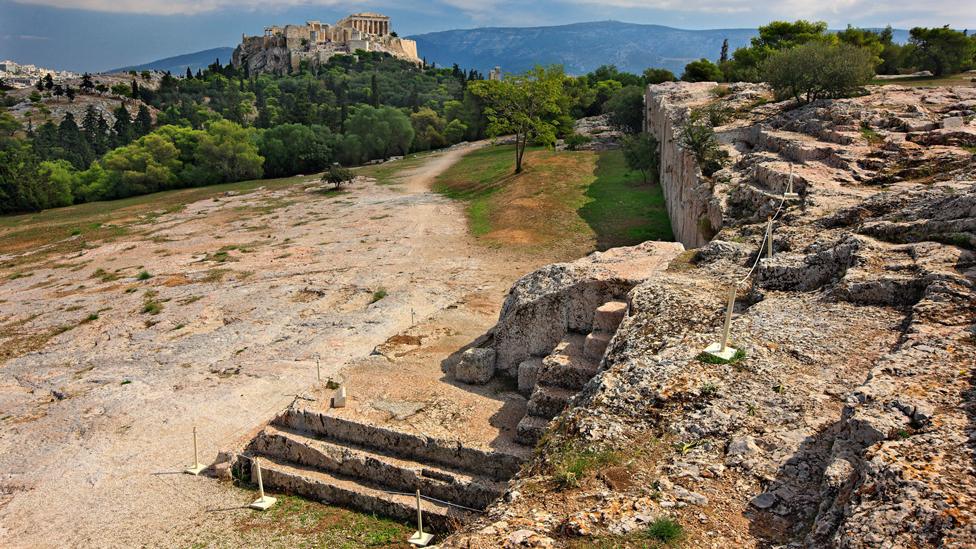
(571,463)
(104,275)
(665,530)
(961,79)
(708,358)
(389,173)
(143,275)
(871,136)
(582,200)
(378,295)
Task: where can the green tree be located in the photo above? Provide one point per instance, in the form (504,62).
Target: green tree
(229,152)
(817,70)
(777,35)
(428,129)
(658,76)
(942,50)
(290,149)
(149,164)
(143,122)
(642,154)
(697,135)
(123,125)
(381,132)
(626,109)
(337,175)
(702,70)
(526,105)
(455,131)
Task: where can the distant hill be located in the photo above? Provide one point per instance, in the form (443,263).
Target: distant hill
(582,47)
(178,64)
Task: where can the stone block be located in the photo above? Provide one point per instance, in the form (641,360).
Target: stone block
(609,316)
(953,122)
(528,375)
(595,345)
(477,366)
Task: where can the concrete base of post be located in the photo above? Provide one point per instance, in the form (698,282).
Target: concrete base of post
(716,350)
(263,503)
(420,539)
(791,196)
(195,470)
(339,400)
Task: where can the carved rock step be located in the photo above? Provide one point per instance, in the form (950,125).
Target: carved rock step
(596,345)
(280,476)
(568,371)
(547,401)
(447,453)
(530,430)
(379,468)
(609,316)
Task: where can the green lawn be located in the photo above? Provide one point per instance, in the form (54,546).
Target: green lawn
(961,79)
(583,199)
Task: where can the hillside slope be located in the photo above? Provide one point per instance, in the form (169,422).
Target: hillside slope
(179,63)
(580,47)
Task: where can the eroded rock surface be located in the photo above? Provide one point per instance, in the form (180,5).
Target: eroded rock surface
(849,417)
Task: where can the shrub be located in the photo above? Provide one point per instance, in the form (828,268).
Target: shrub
(642,153)
(378,295)
(626,109)
(698,136)
(337,175)
(702,70)
(817,71)
(575,140)
(143,275)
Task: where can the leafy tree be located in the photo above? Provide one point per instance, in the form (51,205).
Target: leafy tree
(48,82)
(525,105)
(642,154)
(428,129)
(777,35)
(337,175)
(69,92)
(382,132)
(58,179)
(146,165)
(289,149)
(626,109)
(942,50)
(229,152)
(702,70)
(455,131)
(658,76)
(58,90)
(817,70)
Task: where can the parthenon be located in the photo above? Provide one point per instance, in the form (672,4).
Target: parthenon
(373,24)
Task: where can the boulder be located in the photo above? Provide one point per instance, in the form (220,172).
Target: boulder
(477,366)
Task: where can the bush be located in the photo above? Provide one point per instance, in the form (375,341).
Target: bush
(337,175)
(576,140)
(698,136)
(665,530)
(817,71)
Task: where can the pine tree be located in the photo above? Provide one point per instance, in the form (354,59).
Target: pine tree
(74,147)
(135,89)
(724,56)
(86,83)
(48,81)
(40,84)
(102,136)
(143,123)
(374,92)
(123,126)
(69,92)
(89,125)
(189,73)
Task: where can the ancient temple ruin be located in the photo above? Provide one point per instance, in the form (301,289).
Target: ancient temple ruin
(281,50)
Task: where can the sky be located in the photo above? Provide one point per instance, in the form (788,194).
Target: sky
(94,35)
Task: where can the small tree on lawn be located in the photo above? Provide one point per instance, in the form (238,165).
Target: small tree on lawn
(337,175)
(642,154)
(527,105)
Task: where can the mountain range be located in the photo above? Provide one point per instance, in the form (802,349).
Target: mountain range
(579,47)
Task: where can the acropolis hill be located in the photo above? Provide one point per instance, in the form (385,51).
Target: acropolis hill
(282,49)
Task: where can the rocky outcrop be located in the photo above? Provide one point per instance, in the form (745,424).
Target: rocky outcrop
(847,417)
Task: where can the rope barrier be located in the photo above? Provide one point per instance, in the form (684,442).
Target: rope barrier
(763,244)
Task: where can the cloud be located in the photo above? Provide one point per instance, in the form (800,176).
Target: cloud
(836,12)
(24,37)
(181,7)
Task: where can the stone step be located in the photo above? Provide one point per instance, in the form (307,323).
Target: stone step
(609,316)
(379,468)
(569,371)
(528,375)
(530,430)
(596,345)
(547,401)
(498,466)
(289,478)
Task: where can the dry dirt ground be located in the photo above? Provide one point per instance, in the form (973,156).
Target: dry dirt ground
(244,291)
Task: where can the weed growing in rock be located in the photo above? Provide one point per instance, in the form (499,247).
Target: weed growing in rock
(708,390)
(104,275)
(571,463)
(143,275)
(666,530)
(378,295)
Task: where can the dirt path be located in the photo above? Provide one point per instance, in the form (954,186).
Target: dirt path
(246,291)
